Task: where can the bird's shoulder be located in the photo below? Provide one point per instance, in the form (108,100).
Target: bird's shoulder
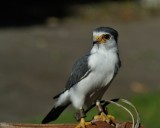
(80,69)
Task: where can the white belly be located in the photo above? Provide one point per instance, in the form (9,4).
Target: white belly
(102,71)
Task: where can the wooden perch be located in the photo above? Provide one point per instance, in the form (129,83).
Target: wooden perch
(96,125)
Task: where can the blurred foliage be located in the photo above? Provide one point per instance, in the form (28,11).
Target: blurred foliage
(114,12)
(33,12)
(148,105)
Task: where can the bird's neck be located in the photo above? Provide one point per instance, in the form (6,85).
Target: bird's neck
(104,49)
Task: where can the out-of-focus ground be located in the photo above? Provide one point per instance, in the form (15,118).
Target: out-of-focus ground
(36,60)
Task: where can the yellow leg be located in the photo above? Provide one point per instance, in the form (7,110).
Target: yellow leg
(83,123)
(103,117)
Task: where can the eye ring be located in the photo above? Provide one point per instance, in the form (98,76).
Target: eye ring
(106,36)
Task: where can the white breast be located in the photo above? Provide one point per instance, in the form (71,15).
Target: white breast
(102,65)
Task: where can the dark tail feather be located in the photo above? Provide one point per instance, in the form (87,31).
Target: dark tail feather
(54,114)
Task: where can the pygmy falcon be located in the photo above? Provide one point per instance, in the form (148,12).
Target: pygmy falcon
(91,76)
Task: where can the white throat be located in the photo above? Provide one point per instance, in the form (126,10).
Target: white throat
(104,48)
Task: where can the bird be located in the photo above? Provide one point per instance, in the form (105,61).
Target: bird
(90,77)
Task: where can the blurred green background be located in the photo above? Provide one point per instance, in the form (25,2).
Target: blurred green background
(40,41)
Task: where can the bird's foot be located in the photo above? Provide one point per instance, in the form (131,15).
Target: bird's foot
(106,118)
(83,123)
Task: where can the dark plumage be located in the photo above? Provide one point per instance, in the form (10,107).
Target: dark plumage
(54,114)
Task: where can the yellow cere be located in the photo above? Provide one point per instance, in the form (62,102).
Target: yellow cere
(102,38)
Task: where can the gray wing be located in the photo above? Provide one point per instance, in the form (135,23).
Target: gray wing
(118,65)
(80,70)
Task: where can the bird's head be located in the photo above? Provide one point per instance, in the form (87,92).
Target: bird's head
(105,36)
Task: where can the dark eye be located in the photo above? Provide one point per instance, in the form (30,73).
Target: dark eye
(106,36)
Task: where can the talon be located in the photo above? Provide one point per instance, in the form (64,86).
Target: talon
(106,118)
(103,116)
(83,123)
(111,119)
(93,123)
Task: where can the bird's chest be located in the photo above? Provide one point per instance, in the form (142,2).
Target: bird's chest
(103,67)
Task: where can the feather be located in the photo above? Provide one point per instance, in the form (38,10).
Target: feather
(54,114)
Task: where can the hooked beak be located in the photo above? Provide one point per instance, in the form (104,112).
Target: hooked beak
(98,40)
(95,42)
